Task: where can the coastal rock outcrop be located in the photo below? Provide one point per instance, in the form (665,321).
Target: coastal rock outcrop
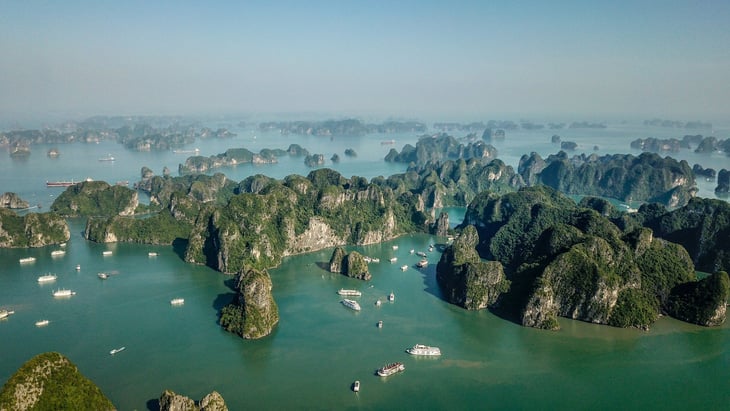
(703,302)
(352,265)
(723,183)
(254,313)
(466,280)
(96,198)
(439,148)
(32,230)
(50,381)
(12,200)
(170,401)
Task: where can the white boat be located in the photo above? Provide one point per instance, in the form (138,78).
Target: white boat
(345,292)
(391,369)
(420,349)
(103,276)
(412,251)
(47,278)
(177,301)
(78,267)
(152,254)
(395,247)
(108,157)
(377,303)
(394,259)
(57,253)
(27,260)
(356,386)
(63,293)
(351,304)
(422,263)
(404,267)
(6,313)
(391,297)
(41,323)
(421,254)
(371,259)
(105,253)
(380,324)
(116,350)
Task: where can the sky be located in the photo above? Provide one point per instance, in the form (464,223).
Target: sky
(411,59)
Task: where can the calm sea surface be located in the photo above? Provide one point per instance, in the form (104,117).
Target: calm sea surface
(320,347)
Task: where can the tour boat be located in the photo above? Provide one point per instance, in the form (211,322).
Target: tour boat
(394,259)
(395,247)
(116,350)
(6,314)
(103,276)
(41,323)
(380,324)
(422,263)
(63,293)
(391,369)
(27,260)
(404,267)
(412,251)
(78,267)
(108,157)
(177,301)
(355,293)
(106,253)
(391,297)
(420,349)
(351,304)
(47,278)
(356,386)
(377,303)
(57,253)
(152,254)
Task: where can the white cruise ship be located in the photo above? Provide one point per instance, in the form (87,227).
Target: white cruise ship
(391,369)
(57,253)
(63,293)
(27,260)
(177,301)
(420,349)
(351,304)
(6,313)
(47,278)
(42,323)
(345,292)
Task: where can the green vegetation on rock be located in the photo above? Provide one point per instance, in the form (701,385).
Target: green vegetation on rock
(253,314)
(49,381)
(32,230)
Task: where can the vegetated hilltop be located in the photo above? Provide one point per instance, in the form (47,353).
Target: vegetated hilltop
(648,177)
(32,230)
(439,148)
(49,381)
(569,260)
(96,198)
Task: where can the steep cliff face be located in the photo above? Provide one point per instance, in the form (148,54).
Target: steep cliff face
(254,313)
(49,381)
(32,230)
(170,401)
(12,200)
(465,279)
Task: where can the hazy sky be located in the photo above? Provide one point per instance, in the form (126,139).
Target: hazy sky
(448,59)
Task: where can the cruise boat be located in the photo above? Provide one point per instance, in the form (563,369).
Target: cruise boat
(380,324)
(152,254)
(108,157)
(41,323)
(47,278)
(420,349)
(393,259)
(106,253)
(351,304)
(57,253)
(103,276)
(391,297)
(78,267)
(404,267)
(6,313)
(412,251)
(63,293)
(422,263)
(395,247)
(27,260)
(116,350)
(356,386)
(61,183)
(421,254)
(391,369)
(345,292)
(177,301)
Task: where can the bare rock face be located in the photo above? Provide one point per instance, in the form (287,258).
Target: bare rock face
(12,200)
(442,225)
(170,401)
(337,260)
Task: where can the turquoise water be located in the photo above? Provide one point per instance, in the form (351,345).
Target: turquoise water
(320,347)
